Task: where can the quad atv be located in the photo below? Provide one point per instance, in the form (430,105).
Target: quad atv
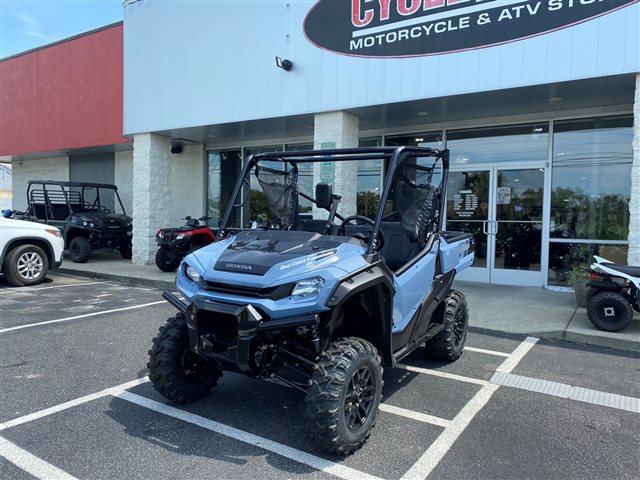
(90,215)
(319,306)
(176,243)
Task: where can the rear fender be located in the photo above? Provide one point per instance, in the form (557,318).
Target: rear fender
(362,306)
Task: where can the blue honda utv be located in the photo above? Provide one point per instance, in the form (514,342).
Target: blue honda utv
(316,297)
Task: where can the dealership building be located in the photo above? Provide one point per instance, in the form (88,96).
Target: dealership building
(537,100)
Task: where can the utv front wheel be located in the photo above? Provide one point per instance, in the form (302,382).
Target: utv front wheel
(176,372)
(343,399)
(79,249)
(449,343)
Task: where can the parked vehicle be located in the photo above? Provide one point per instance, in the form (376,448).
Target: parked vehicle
(28,251)
(176,243)
(613,294)
(90,215)
(318,306)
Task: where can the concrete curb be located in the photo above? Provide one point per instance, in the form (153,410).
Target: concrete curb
(134,281)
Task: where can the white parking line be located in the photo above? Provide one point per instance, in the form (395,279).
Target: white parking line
(421,417)
(521,350)
(76,317)
(37,289)
(488,352)
(299,456)
(438,373)
(562,390)
(438,449)
(72,403)
(30,463)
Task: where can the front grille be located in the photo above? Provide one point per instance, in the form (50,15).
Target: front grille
(220,329)
(272,293)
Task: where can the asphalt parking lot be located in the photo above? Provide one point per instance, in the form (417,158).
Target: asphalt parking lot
(75,403)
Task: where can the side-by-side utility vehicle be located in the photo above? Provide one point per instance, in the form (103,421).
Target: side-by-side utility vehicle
(320,302)
(90,215)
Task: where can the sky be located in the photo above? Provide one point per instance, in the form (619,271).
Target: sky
(27,24)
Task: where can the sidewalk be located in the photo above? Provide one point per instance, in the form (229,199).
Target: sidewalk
(527,310)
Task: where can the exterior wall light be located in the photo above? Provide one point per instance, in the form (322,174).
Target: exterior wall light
(285,64)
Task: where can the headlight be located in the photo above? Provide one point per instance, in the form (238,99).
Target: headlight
(308,287)
(180,236)
(54,231)
(191,273)
(160,234)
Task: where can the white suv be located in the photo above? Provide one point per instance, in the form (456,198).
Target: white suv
(28,250)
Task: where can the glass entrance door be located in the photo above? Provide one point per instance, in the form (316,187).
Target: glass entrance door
(503,208)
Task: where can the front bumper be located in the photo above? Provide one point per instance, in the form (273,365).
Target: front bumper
(228,333)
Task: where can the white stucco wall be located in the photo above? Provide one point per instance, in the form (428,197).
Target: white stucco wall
(187,185)
(123,178)
(634,204)
(56,168)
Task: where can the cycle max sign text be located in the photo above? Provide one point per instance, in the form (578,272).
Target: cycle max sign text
(410,28)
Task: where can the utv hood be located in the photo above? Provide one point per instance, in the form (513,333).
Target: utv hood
(255,253)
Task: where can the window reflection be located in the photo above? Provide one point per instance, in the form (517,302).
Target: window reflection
(499,144)
(591,183)
(223,169)
(563,257)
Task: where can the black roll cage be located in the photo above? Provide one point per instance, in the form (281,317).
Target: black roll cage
(63,194)
(396,155)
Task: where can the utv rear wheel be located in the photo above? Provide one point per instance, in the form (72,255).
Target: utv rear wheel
(609,311)
(449,343)
(343,399)
(165,261)
(79,249)
(176,372)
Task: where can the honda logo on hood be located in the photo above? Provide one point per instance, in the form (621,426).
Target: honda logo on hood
(410,28)
(238,266)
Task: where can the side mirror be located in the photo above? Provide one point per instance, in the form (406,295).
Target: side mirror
(323,195)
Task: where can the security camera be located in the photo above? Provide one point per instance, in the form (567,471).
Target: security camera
(176,147)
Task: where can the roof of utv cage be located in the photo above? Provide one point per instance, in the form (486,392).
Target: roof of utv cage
(71,184)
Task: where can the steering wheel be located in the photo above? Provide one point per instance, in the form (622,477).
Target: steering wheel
(360,220)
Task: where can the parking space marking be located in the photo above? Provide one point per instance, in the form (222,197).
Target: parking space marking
(438,449)
(421,417)
(291,453)
(72,403)
(488,352)
(521,350)
(437,373)
(37,289)
(30,463)
(562,390)
(77,317)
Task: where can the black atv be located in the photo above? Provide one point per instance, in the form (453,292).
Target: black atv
(90,215)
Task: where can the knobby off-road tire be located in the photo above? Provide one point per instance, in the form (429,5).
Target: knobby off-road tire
(609,311)
(26,265)
(449,343)
(79,249)
(175,371)
(342,403)
(165,261)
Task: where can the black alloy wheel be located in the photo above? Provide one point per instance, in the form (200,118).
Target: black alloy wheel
(359,399)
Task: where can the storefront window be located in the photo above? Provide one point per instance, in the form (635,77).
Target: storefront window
(591,183)
(519,143)
(591,189)
(369,181)
(223,168)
